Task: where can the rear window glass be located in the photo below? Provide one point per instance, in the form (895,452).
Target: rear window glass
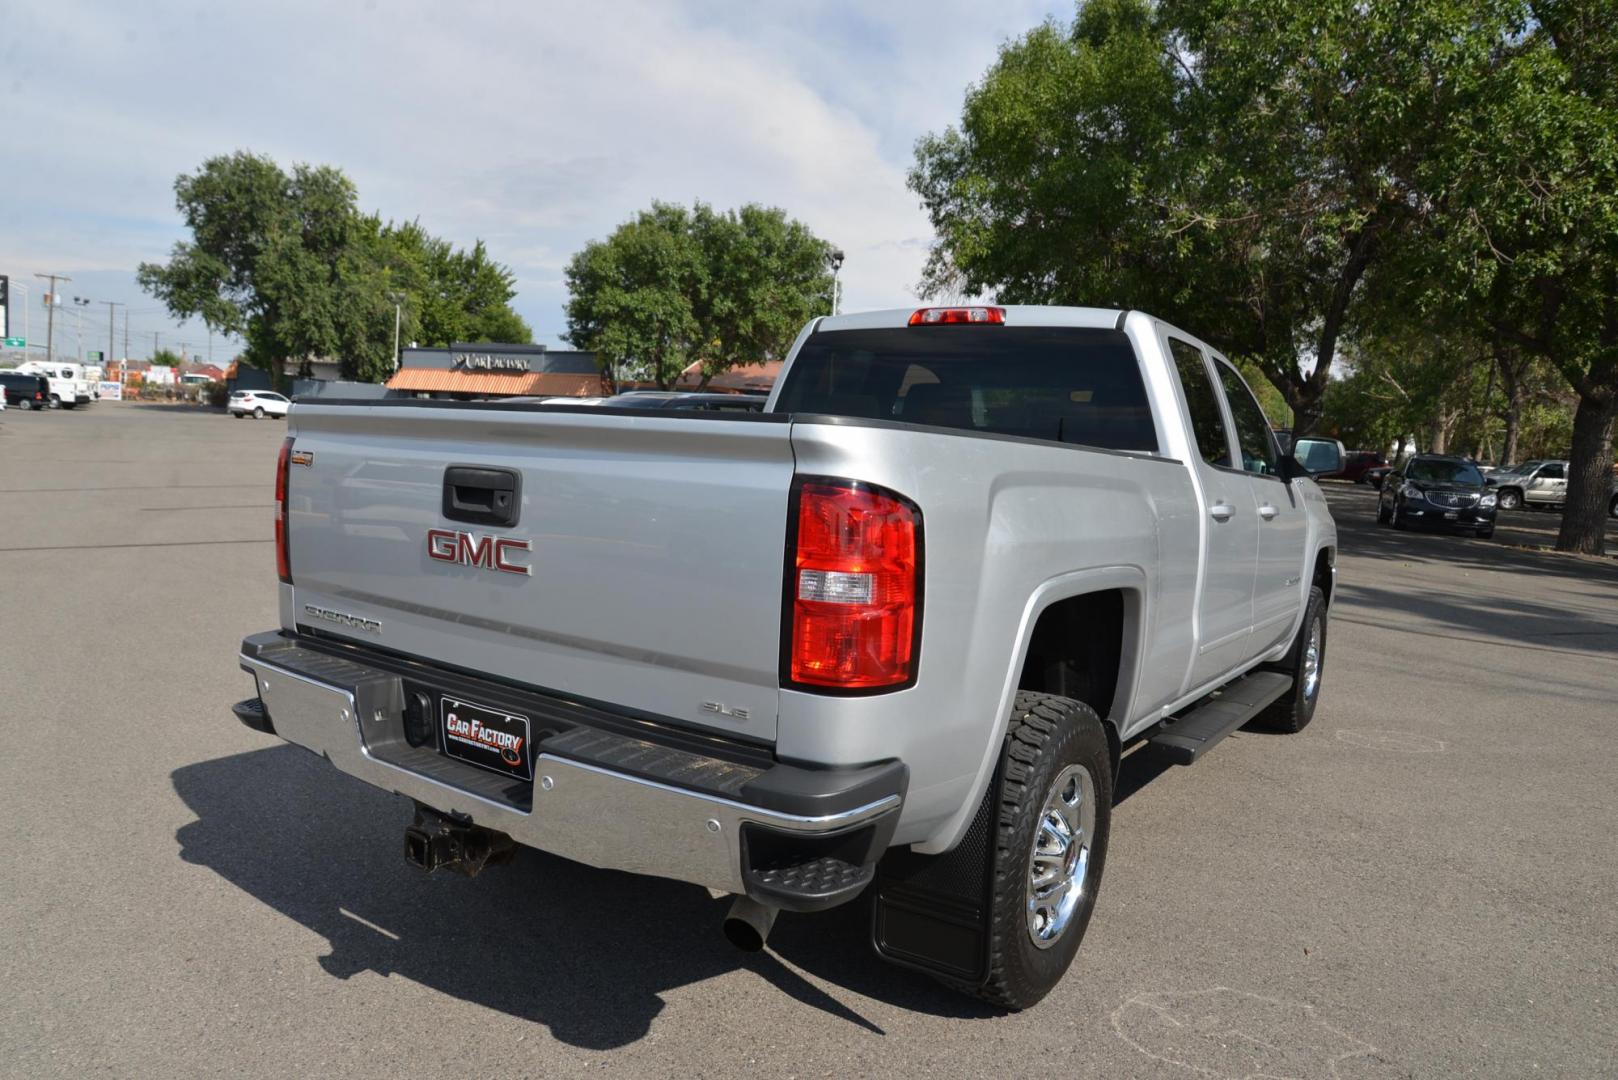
(1439,470)
(1057,384)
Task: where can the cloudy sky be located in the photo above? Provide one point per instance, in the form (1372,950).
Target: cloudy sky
(535,126)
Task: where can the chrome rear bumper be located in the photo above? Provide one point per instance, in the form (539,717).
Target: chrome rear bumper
(597,815)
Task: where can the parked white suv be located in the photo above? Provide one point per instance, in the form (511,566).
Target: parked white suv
(258,404)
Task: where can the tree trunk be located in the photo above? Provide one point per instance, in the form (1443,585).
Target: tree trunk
(1589,476)
(1440,436)
(1508,453)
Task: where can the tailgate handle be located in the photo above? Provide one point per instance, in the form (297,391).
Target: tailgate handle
(479,495)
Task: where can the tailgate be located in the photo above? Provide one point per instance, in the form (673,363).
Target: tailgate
(656,550)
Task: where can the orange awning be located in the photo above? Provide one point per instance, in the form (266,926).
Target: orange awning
(496,383)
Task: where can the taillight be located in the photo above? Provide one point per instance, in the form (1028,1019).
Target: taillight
(944,316)
(283,558)
(855,591)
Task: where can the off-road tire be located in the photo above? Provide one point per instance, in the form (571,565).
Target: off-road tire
(1045,735)
(1292,712)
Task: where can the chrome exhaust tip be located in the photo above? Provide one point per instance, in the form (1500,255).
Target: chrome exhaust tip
(748,923)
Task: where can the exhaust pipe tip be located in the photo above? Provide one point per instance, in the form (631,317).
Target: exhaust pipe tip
(748,923)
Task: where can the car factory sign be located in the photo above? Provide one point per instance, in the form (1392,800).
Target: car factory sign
(489,362)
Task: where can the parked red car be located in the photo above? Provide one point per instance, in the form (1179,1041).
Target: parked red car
(1355,464)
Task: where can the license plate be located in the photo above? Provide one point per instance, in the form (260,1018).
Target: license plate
(492,738)
(1450,515)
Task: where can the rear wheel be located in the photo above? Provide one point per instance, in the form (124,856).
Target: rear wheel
(1306,663)
(1054,803)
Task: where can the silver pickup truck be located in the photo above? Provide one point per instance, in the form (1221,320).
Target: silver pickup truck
(889,638)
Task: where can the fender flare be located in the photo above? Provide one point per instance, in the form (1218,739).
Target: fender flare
(1132,581)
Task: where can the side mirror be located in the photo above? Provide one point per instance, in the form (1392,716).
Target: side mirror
(1315,457)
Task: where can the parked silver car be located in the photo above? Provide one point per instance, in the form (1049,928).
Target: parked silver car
(1533,484)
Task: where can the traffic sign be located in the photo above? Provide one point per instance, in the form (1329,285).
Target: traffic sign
(14,343)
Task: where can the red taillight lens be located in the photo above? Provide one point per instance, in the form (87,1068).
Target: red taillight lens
(283,558)
(856,588)
(946,316)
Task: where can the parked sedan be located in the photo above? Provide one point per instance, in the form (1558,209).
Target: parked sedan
(1437,491)
(258,404)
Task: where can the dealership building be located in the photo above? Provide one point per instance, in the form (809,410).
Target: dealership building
(465,371)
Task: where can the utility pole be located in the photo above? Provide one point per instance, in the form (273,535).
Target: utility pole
(123,361)
(111,329)
(50,315)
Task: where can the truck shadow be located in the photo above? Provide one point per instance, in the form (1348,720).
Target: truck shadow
(585,952)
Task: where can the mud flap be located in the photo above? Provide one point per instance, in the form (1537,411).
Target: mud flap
(932,911)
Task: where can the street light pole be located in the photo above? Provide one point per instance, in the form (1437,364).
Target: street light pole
(836,279)
(396,335)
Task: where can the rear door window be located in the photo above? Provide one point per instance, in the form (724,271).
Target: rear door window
(1207,421)
(1058,384)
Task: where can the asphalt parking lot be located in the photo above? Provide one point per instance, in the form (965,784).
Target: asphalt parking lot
(1422,883)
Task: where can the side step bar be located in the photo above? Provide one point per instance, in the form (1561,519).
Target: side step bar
(1184,739)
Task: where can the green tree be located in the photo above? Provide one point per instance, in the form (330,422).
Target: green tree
(630,296)
(1233,165)
(1526,186)
(165,358)
(287,261)
(673,286)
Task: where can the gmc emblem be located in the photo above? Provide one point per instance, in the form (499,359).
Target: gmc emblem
(470,549)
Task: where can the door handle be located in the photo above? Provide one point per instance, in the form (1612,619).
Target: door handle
(1221,511)
(482,496)
(1267,512)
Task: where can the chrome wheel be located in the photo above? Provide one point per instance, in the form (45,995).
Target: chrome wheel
(1059,863)
(1311,661)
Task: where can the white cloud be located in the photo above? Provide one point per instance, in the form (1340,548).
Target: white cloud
(534,127)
